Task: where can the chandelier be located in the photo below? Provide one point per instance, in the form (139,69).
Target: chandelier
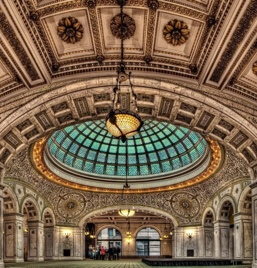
(123,123)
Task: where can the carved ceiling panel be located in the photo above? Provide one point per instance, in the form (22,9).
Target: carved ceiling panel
(63,50)
(133,45)
(183,51)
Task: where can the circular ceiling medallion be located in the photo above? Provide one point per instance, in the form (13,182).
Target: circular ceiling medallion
(185,205)
(254,68)
(160,157)
(70,30)
(128,27)
(71,205)
(176,32)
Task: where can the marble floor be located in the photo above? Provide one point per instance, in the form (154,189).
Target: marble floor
(100,264)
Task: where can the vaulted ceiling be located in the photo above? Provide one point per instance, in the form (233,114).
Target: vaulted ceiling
(206,46)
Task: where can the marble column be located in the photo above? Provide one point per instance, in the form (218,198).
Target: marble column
(253,175)
(14,239)
(36,241)
(1,227)
(208,241)
(221,239)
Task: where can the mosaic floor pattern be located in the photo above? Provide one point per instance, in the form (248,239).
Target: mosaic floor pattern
(100,264)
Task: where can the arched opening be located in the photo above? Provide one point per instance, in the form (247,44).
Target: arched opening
(111,239)
(148,242)
(227,230)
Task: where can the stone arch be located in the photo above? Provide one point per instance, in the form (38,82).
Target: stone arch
(147,226)
(245,201)
(112,208)
(33,210)
(224,211)
(48,217)
(206,214)
(10,204)
(77,102)
(108,226)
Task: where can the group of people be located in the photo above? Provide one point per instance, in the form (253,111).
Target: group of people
(102,253)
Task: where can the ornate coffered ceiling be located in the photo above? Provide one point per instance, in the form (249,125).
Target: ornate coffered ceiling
(219,52)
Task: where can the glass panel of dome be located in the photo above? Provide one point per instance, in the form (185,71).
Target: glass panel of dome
(81,127)
(66,143)
(122,159)
(163,155)
(132,171)
(142,159)
(158,145)
(144,170)
(53,149)
(130,142)
(88,167)
(68,159)
(101,157)
(167,142)
(70,128)
(95,145)
(113,149)
(176,163)
(180,134)
(60,136)
(132,159)
(149,148)
(172,152)
(121,170)
(60,155)
(99,168)
(74,134)
(194,137)
(110,170)
(91,155)
(140,149)
(78,163)
(131,150)
(111,158)
(107,140)
(194,154)
(160,135)
(155,168)
(99,138)
(181,149)
(166,166)
(187,143)
(200,148)
(185,159)
(104,148)
(153,157)
(82,152)
(73,148)
(122,149)
(88,143)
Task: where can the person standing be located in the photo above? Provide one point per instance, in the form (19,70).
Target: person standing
(102,252)
(118,252)
(110,251)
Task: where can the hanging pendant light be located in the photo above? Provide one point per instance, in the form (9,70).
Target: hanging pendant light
(123,123)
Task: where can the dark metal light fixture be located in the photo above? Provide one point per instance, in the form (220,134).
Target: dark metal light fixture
(123,123)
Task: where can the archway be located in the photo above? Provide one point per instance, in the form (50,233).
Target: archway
(208,233)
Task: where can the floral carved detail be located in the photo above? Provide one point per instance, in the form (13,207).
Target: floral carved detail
(254,68)
(71,205)
(128,27)
(185,204)
(153,4)
(176,32)
(70,30)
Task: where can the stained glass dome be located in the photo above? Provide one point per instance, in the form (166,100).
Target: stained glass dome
(161,149)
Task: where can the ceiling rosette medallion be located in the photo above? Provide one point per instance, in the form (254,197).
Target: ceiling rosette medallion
(129,26)
(176,32)
(254,68)
(70,30)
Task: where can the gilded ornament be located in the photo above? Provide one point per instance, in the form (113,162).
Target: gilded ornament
(128,26)
(255,68)
(176,32)
(70,30)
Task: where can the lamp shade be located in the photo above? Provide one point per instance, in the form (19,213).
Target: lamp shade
(126,212)
(123,124)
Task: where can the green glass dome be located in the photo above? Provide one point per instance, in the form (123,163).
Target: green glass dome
(160,149)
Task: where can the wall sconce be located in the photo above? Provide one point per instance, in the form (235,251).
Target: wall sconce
(189,234)
(67,233)
(128,240)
